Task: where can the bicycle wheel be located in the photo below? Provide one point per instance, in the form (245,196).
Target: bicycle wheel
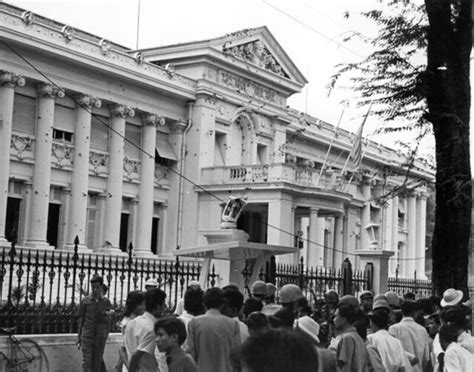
(30,357)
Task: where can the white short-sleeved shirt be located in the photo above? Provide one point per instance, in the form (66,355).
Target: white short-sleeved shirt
(140,335)
(390,350)
(458,359)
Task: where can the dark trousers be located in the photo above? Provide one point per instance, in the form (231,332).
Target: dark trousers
(92,353)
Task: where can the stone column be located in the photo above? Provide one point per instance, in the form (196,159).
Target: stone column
(365,217)
(388,226)
(36,236)
(338,240)
(113,203)
(394,248)
(8,82)
(280,223)
(145,193)
(80,174)
(315,250)
(421,235)
(410,261)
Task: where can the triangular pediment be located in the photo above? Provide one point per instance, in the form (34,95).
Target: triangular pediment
(259,47)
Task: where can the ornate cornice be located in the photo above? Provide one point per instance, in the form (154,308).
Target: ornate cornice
(49,91)
(10,79)
(87,101)
(122,111)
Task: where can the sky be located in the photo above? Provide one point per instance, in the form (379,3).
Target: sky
(312,34)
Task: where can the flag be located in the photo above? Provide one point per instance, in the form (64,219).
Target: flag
(356,152)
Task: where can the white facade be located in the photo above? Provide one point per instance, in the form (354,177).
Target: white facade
(81,120)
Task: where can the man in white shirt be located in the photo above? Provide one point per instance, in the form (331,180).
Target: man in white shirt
(390,349)
(413,337)
(456,358)
(140,338)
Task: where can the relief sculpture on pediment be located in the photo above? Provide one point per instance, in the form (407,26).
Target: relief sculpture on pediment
(256,53)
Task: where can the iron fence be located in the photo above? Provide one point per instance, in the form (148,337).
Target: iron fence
(314,281)
(421,288)
(40,291)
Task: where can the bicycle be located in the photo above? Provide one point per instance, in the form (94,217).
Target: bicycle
(23,355)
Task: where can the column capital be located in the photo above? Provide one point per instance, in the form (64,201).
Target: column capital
(88,101)
(49,91)
(152,119)
(122,111)
(179,126)
(10,79)
(313,210)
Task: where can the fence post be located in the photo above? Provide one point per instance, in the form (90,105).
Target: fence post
(346,269)
(12,255)
(129,263)
(369,276)
(301,273)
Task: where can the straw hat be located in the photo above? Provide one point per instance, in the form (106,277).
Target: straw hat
(451,297)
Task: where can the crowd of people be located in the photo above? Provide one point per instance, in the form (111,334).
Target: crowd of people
(218,330)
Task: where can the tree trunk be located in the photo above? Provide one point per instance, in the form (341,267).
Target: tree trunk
(449,98)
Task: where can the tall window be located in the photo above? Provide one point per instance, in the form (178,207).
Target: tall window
(63,128)
(99,132)
(24,114)
(133,141)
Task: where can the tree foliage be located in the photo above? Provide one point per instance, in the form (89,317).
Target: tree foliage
(418,78)
(391,77)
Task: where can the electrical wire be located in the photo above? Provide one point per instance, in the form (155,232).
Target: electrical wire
(99,119)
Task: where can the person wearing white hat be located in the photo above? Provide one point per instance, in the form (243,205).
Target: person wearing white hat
(151,284)
(309,326)
(451,297)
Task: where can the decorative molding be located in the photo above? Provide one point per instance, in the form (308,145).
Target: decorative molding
(122,111)
(98,161)
(105,46)
(21,143)
(87,101)
(63,154)
(161,173)
(139,57)
(255,52)
(49,91)
(10,79)
(68,33)
(28,17)
(131,167)
(93,46)
(249,87)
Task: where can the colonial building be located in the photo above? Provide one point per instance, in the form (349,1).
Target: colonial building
(114,146)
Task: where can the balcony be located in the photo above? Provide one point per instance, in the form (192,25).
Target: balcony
(247,174)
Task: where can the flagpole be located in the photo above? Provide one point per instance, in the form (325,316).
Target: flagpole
(138,22)
(355,170)
(358,137)
(330,146)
